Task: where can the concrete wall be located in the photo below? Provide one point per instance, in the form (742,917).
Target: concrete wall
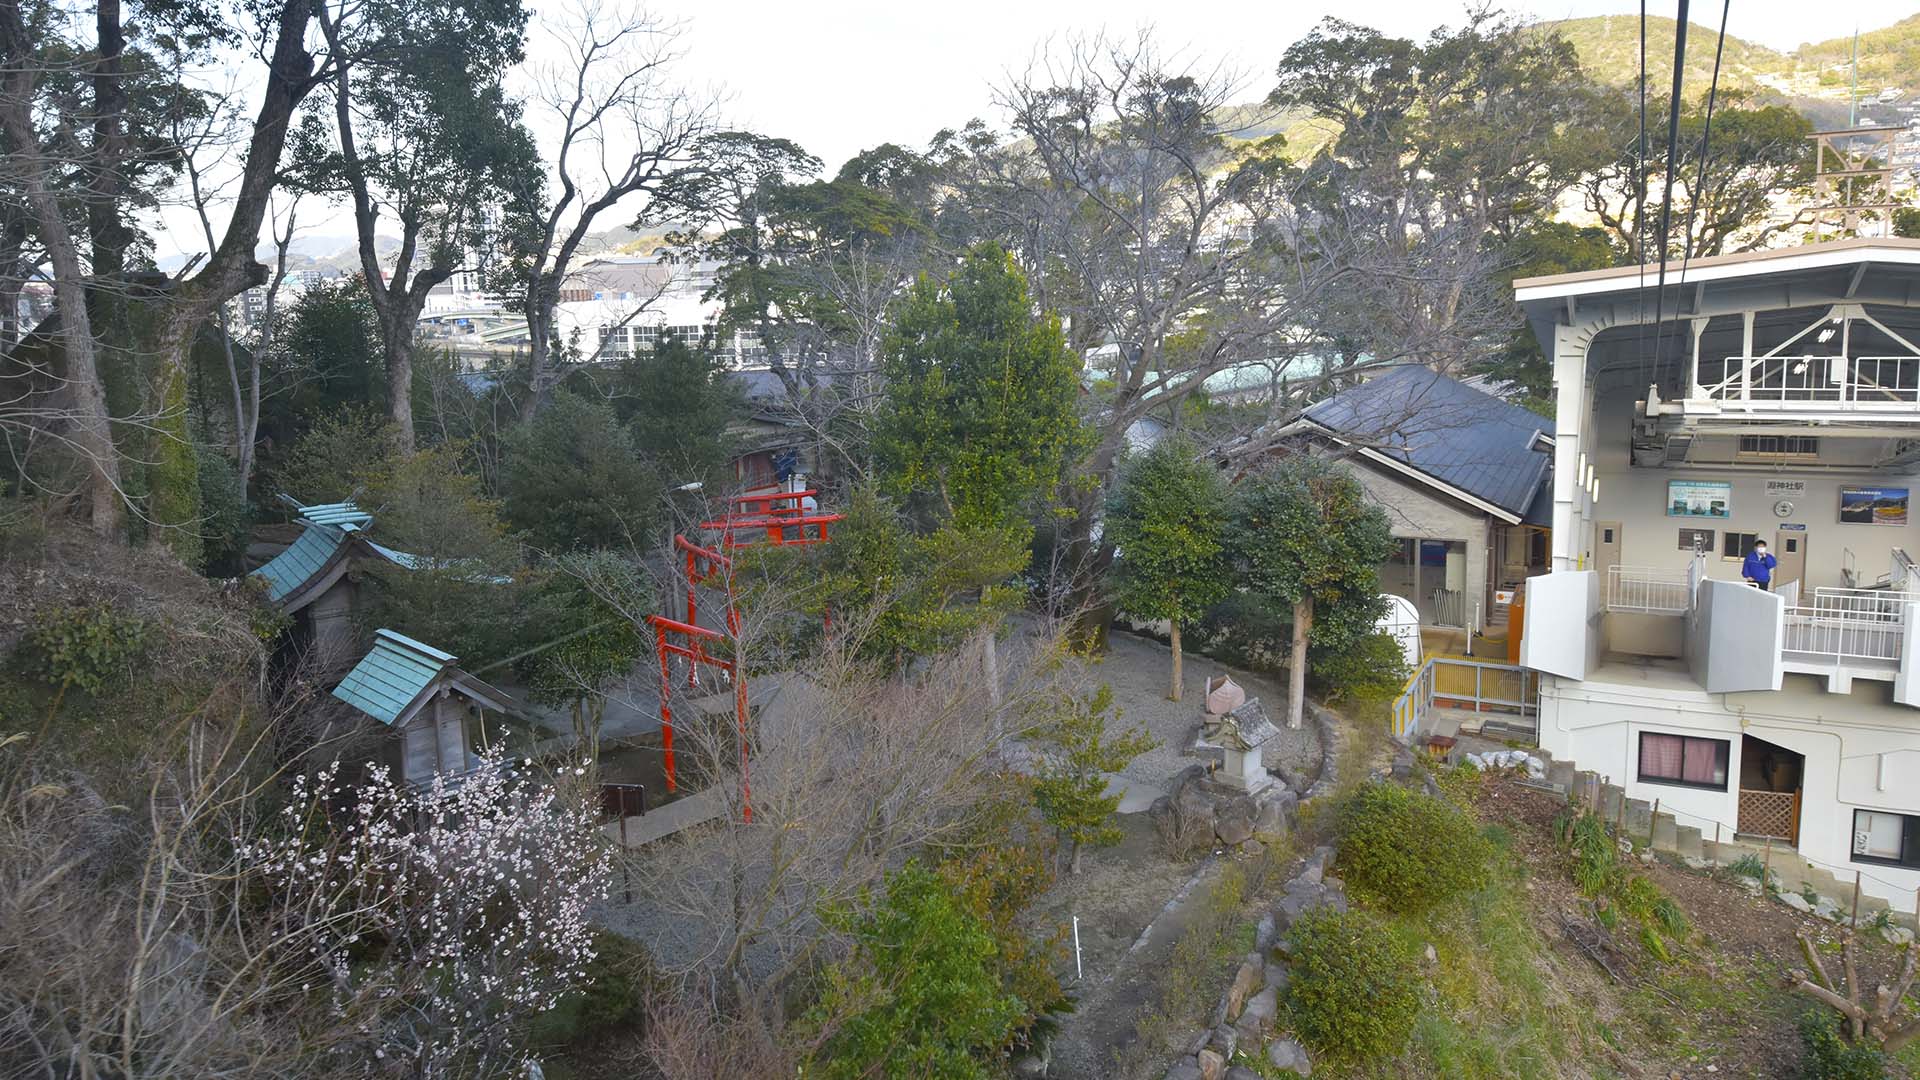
(1636,498)
(1862,752)
(1418,512)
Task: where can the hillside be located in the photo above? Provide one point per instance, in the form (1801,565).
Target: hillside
(1815,78)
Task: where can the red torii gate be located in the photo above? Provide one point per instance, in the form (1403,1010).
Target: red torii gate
(785,520)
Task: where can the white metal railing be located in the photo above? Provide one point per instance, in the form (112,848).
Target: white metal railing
(1864,382)
(1449,607)
(1649,590)
(1847,626)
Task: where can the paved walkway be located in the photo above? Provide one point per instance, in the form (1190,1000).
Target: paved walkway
(695,809)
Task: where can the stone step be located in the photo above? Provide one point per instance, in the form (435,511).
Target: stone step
(1560,774)
(1611,796)
(1665,833)
(1686,842)
(1639,819)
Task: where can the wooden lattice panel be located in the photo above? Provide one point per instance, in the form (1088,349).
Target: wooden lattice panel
(1770,813)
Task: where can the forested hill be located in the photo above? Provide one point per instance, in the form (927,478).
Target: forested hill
(1814,78)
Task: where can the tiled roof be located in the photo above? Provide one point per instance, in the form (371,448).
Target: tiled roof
(309,555)
(1440,427)
(392,676)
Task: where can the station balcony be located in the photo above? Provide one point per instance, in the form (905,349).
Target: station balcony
(1723,636)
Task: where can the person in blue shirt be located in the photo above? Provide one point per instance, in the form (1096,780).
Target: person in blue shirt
(1758,567)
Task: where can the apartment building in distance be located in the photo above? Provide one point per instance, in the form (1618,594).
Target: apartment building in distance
(1772,396)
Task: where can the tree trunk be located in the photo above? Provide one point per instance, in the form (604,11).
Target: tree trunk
(1073,861)
(93,432)
(1297,662)
(1173,639)
(397,349)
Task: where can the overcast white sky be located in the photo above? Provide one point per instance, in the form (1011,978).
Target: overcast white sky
(839,76)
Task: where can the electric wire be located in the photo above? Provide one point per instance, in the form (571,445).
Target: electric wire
(1666,197)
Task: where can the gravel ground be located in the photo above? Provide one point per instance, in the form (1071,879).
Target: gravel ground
(1136,668)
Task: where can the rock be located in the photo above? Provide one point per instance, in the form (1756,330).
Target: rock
(1241,1072)
(1245,982)
(1301,897)
(1432,955)
(1796,902)
(1898,935)
(1276,812)
(1260,1011)
(1193,802)
(1318,861)
(1030,1067)
(1288,1054)
(1278,976)
(1199,1041)
(1236,820)
(1263,932)
(1212,1065)
(1184,1069)
(1224,1040)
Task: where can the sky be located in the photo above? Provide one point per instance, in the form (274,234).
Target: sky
(839,76)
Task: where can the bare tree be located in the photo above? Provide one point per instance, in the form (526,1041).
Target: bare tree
(627,133)
(1876,1016)
(1166,245)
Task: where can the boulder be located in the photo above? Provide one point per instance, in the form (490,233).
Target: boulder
(1212,1065)
(1030,1067)
(1288,1054)
(1241,1072)
(1245,982)
(1184,1069)
(1276,811)
(1194,803)
(1224,1040)
(1235,823)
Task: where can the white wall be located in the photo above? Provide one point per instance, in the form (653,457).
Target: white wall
(1597,723)
(1414,511)
(1636,498)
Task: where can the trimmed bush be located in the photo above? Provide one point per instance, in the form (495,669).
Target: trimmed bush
(1831,1057)
(1354,994)
(1409,852)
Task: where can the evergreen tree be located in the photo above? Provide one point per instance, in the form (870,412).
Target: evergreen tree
(1168,522)
(1072,789)
(981,394)
(1309,539)
(571,480)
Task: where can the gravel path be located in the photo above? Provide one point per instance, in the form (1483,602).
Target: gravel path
(1136,668)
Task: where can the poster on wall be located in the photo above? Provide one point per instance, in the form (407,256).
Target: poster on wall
(1699,498)
(1873,506)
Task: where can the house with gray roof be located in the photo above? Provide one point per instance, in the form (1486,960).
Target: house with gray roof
(1465,479)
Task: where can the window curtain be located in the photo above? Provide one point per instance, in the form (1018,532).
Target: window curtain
(1660,756)
(1703,763)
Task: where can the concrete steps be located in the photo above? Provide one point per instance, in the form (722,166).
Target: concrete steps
(1793,877)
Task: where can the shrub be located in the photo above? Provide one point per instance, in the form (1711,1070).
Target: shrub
(85,646)
(1408,851)
(1374,664)
(1353,995)
(224,514)
(1831,1057)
